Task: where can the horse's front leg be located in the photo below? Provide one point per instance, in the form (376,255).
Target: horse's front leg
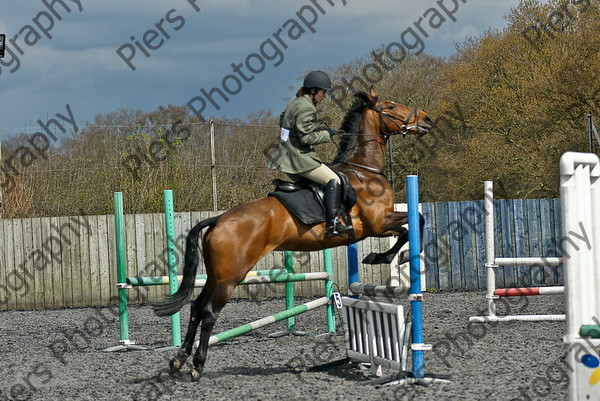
(393,225)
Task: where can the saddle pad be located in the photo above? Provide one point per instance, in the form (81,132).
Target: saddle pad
(303,204)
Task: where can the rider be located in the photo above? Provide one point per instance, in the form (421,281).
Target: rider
(295,155)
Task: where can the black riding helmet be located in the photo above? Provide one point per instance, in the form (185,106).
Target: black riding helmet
(317,79)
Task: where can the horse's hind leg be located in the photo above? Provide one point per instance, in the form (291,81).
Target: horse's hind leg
(209,316)
(195,317)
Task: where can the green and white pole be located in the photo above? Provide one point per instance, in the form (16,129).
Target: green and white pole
(125,343)
(121,269)
(257,324)
(289,290)
(328,267)
(172,262)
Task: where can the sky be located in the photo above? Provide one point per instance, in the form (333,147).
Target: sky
(81,58)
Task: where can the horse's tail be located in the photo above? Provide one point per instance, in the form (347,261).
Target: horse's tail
(174,303)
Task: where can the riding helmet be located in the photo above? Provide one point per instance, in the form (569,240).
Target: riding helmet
(317,79)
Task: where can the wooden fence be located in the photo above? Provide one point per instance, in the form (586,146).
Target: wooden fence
(57,262)
(53,262)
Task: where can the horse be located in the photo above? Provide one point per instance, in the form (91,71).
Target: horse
(237,239)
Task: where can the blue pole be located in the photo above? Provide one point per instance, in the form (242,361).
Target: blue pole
(352,266)
(416,306)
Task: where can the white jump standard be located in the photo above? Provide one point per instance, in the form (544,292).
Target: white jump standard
(580,200)
(492,263)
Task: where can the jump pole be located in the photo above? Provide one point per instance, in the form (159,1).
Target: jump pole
(352,252)
(264,277)
(289,279)
(415,297)
(290,325)
(121,266)
(125,343)
(163,280)
(172,263)
(257,324)
(328,267)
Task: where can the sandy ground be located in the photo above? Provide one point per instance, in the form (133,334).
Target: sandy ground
(55,355)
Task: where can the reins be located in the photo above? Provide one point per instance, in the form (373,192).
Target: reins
(348,162)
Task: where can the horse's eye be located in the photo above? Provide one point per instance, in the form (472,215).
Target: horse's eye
(392,107)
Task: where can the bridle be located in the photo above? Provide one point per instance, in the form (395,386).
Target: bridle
(393,119)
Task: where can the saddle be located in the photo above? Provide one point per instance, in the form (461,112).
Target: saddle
(304,199)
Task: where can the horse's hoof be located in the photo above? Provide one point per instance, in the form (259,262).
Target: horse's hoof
(195,375)
(404,257)
(370,259)
(175,364)
(162,377)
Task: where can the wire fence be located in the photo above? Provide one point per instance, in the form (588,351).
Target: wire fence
(207,165)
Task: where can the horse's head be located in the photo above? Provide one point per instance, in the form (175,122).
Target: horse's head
(395,118)
(371,116)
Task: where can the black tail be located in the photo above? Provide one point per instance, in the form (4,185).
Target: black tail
(174,303)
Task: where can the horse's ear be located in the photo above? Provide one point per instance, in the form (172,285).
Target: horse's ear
(363,96)
(373,91)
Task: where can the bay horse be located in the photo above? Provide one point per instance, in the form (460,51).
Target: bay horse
(236,240)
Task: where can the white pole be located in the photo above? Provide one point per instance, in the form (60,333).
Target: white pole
(490,252)
(529,261)
(517,318)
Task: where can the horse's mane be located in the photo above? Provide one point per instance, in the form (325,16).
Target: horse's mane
(351,125)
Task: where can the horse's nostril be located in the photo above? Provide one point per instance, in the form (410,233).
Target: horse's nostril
(428,120)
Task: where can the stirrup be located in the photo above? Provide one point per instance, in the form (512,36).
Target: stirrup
(337,228)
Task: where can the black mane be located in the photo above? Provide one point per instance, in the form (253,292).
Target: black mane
(351,125)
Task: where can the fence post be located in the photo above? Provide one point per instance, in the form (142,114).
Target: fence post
(213,164)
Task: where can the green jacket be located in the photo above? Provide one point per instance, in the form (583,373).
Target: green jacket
(299,131)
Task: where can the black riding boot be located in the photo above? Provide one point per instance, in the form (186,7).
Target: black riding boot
(333,197)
